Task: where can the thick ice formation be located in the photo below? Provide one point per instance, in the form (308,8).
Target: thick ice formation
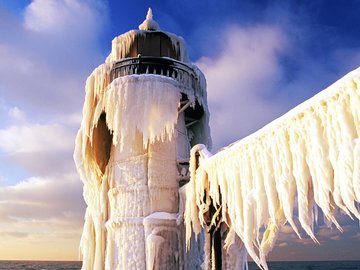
(311,154)
(139,103)
(140,111)
(127,150)
(122,44)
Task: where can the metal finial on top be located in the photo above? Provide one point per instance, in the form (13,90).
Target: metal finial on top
(149,23)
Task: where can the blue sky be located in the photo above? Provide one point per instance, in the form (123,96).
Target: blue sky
(260,59)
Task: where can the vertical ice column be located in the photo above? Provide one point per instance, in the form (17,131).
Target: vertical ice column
(162,171)
(128,205)
(143,207)
(193,257)
(162,241)
(161,230)
(143,203)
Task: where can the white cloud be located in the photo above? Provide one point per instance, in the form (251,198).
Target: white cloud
(72,119)
(42,212)
(50,15)
(44,62)
(33,138)
(40,149)
(2,179)
(73,17)
(46,57)
(40,198)
(241,80)
(16,115)
(257,73)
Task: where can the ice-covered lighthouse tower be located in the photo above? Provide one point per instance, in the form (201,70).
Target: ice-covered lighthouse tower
(144,109)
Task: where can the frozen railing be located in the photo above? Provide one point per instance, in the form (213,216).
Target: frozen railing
(179,71)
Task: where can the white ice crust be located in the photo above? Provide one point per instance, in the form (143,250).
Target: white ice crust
(122,43)
(309,157)
(149,23)
(132,205)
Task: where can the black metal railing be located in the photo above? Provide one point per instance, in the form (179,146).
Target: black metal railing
(179,71)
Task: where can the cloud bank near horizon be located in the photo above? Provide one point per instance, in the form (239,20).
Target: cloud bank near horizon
(46,56)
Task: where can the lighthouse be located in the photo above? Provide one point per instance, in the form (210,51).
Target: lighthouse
(144,109)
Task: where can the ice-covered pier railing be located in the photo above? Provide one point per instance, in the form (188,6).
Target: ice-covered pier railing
(165,66)
(311,154)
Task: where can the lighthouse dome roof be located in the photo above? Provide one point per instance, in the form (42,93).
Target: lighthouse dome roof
(148,41)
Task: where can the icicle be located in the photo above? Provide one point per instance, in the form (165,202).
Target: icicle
(320,169)
(193,201)
(356,174)
(302,176)
(236,251)
(286,183)
(268,242)
(312,152)
(146,94)
(153,244)
(270,187)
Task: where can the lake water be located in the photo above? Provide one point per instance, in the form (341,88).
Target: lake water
(39,265)
(328,265)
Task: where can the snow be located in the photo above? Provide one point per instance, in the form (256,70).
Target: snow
(311,154)
(153,243)
(160,215)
